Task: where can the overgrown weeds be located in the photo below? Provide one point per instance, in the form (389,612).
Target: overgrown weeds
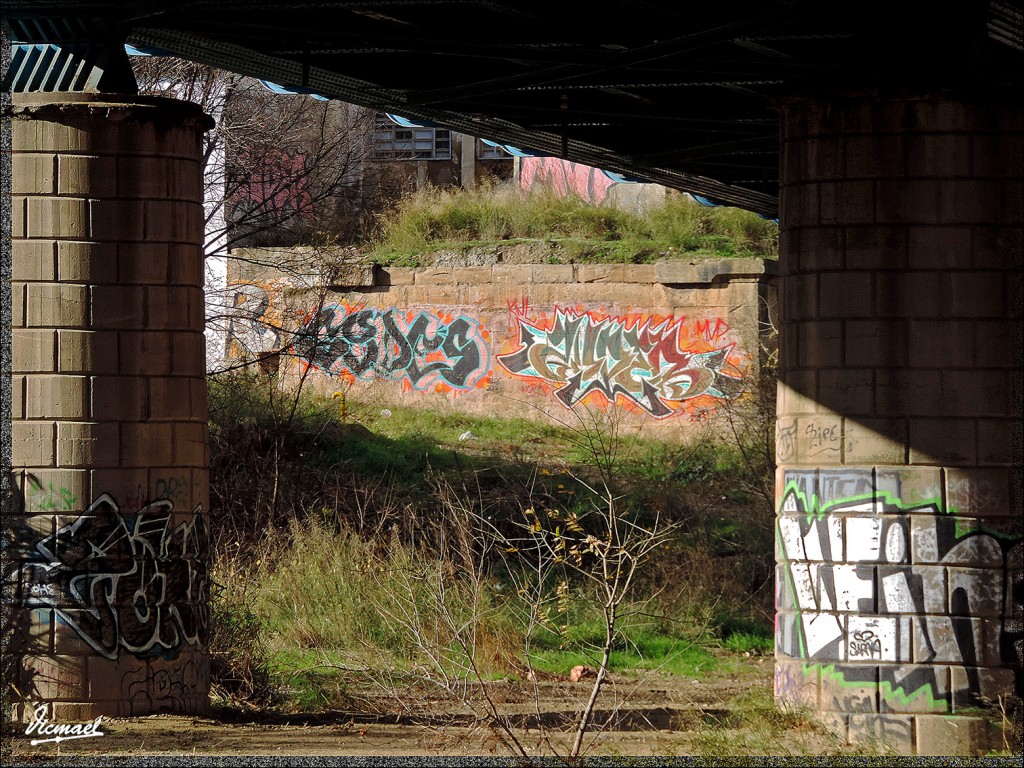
(365,560)
(435,218)
(239,658)
(754,725)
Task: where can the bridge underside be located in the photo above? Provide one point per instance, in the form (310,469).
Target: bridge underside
(681,95)
(891,153)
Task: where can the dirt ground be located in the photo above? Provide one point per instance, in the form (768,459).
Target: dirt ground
(652,714)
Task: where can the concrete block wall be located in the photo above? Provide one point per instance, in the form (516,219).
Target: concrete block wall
(899,436)
(660,317)
(109,411)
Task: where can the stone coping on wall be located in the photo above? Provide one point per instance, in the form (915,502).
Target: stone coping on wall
(682,272)
(351,273)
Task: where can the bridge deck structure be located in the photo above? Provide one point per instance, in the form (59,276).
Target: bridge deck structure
(887,138)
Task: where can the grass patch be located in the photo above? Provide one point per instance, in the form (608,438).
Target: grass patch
(345,601)
(754,725)
(435,218)
(745,642)
(403,458)
(641,643)
(311,681)
(330,536)
(489,435)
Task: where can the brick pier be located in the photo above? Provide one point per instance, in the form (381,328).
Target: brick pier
(899,421)
(109,405)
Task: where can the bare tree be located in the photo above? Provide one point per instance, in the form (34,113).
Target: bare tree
(278,170)
(588,555)
(596,552)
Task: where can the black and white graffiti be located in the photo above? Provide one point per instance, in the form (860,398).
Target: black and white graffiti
(132,582)
(254,322)
(867,579)
(181,685)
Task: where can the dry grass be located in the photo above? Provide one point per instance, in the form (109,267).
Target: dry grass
(436,218)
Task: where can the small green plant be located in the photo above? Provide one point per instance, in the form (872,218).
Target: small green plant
(744,642)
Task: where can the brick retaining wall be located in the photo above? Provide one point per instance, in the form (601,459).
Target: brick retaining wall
(667,343)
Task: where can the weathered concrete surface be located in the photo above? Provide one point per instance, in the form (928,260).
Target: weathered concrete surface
(109,413)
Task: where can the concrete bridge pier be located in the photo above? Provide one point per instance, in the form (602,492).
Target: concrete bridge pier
(109,406)
(899,436)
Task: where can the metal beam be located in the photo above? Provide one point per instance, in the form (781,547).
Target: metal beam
(286,72)
(674,47)
(69,68)
(755,144)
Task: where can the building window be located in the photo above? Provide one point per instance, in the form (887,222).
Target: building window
(395,142)
(485,151)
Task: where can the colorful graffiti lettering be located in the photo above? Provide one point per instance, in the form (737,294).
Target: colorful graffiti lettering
(641,361)
(131,582)
(423,348)
(275,186)
(254,325)
(712,329)
(906,588)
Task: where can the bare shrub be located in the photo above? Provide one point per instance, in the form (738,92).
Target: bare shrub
(239,658)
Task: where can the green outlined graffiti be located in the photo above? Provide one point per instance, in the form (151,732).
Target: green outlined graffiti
(853,688)
(815,509)
(875,593)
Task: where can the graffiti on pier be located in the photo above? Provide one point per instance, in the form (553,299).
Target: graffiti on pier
(653,364)
(424,349)
(49,498)
(887,594)
(133,582)
(173,489)
(180,685)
